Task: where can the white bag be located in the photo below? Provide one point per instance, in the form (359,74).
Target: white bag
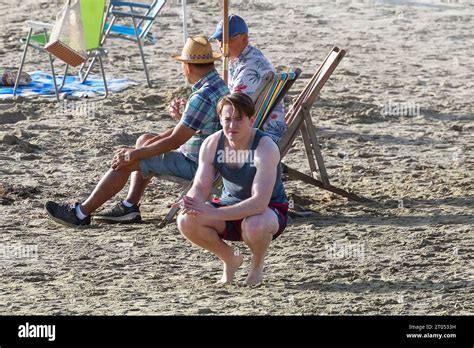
(67,37)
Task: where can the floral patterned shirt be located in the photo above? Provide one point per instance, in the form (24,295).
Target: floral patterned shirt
(245,75)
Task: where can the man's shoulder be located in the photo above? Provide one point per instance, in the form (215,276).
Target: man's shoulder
(212,80)
(210,143)
(215,88)
(209,92)
(256,53)
(267,146)
(267,153)
(213,138)
(254,61)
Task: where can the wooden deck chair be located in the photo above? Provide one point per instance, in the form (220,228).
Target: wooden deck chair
(93,17)
(270,92)
(140,30)
(298,120)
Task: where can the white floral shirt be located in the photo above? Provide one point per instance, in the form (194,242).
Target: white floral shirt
(245,75)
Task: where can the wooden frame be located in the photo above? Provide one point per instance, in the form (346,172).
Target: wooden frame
(299,121)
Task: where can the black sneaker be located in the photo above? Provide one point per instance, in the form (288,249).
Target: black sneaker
(65,214)
(120,214)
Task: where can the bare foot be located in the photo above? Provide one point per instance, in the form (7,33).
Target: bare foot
(254,277)
(230,269)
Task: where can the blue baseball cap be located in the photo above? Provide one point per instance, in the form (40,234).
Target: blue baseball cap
(237,26)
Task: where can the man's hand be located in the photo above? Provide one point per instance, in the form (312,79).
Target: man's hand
(122,158)
(194,207)
(182,208)
(176,108)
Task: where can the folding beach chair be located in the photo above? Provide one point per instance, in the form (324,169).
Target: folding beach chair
(93,17)
(299,120)
(140,31)
(270,92)
(143,26)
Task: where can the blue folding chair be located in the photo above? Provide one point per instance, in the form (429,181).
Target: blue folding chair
(140,31)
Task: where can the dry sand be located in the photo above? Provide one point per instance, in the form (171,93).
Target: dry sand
(410,253)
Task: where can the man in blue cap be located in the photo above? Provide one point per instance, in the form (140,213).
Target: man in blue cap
(247,67)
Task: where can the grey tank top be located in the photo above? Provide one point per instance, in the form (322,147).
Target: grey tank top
(237,183)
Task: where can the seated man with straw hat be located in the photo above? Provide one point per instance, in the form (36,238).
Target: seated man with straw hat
(253,206)
(174,152)
(247,67)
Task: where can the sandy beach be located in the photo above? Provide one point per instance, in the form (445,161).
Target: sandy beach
(395,124)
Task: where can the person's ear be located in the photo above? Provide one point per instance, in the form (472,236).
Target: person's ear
(245,39)
(252,120)
(187,68)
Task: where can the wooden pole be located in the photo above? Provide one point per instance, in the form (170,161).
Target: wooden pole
(185,20)
(225,41)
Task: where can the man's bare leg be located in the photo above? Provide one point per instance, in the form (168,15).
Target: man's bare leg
(137,187)
(137,183)
(257,233)
(110,184)
(204,233)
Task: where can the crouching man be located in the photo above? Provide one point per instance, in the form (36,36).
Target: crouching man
(253,205)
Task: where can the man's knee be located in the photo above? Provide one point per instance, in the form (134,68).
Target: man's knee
(187,224)
(142,139)
(253,228)
(183,223)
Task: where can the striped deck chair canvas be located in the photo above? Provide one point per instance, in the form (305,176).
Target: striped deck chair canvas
(270,92)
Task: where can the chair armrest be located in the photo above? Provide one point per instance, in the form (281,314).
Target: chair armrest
(132,4)
(39,25)
(131,15)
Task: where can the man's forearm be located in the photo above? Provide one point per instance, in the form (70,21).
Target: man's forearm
(156,138)
(157,148)
(199,193)
(249,207)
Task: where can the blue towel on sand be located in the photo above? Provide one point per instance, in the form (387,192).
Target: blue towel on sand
(42,84)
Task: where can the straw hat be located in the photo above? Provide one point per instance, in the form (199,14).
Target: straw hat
(197,50)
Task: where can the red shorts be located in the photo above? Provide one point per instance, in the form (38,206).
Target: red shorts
(233,229)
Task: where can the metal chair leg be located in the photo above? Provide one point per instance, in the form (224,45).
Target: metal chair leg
(141,53)
(84,78)
(23,57)
(54,78)
(102,42)
(52,69)
(103,77)
(64,77)
(80,73)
